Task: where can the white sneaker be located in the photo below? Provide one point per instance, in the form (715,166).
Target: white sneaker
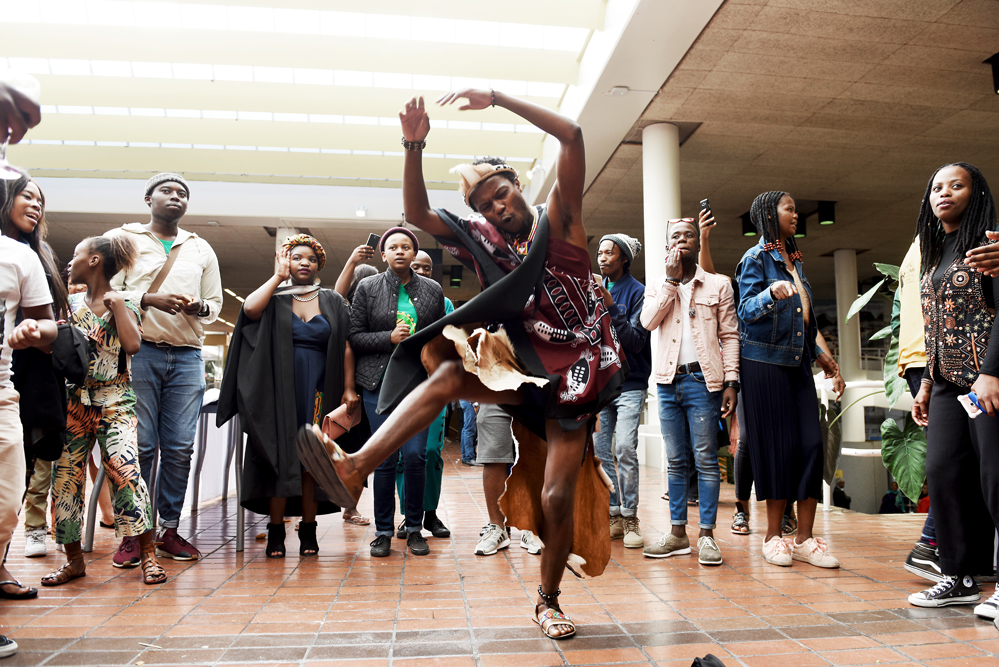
(34,543)
(493,539)
(814,551)
(632,533)
(989,608)
(776,551)
(529,542)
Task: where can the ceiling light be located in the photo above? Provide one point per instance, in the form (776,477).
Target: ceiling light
(994,61)
(827,212)
(801,231)
(456,271)
(231,293)
(214,223)
(619,91)
(361,212)
(748,228)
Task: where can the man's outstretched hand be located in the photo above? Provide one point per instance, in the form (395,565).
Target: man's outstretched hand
(18,112)
(415,121)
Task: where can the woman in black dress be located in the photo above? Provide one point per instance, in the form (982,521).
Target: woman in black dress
(289,365)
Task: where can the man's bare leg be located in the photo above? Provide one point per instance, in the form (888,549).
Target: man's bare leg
(565,452)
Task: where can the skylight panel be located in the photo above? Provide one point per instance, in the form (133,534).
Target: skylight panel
(387,26)
(110,12)
(17,11)
(156,14)
(74,142)
(113,144)
(544,89)
(389,80)
(360,120)
(292,117)
(220,115)
(432,29)
(186,146)
(325,118)
(143,144)
(254,19)
(75,109)
(30,65)
(111,111)
(193,71)
(233,72)
(211,147)
(357,79)
(431,82)
(558,38)
(69,67)
(301,21)
(111,68)
(463,125)
(483,33)
(152,70)
(519,35)
(240,148)
(144,111)
(462,82)
(274,74)
(183,113)
(319,77)
(516,88)
(303,150)
(344,24)
(255,115)
(204,17)
(72,12)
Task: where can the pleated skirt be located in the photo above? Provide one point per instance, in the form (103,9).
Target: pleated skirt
(782,430)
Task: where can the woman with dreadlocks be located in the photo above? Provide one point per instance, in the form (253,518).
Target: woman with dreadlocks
(962,353)
(779,342)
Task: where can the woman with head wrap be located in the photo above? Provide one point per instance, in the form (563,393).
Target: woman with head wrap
(289,365)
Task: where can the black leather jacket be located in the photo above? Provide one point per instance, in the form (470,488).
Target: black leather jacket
(372,319)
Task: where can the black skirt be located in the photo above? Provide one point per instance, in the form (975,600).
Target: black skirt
(782,430)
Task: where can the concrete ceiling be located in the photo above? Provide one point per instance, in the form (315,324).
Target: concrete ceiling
(855,102)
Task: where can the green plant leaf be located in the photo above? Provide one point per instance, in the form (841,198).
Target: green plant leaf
(894,385)
(864,299)
(889,270)
(884,333)
(904,454)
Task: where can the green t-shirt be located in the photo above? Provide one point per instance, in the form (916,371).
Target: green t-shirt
(610,286)
(166,246)
(405,310)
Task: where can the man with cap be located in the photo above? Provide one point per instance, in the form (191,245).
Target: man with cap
(176,281)
(623,296)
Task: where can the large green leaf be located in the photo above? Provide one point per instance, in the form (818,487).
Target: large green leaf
(864,299)
(889,270)
(894,385)
(884,333)
(904,454)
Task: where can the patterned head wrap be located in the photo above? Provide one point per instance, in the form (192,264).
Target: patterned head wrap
(470,175)
(306,240)
(630,246)
(164,178)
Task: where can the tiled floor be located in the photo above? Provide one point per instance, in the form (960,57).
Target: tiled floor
(453,609)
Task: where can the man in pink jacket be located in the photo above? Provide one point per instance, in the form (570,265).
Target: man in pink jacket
(696,368)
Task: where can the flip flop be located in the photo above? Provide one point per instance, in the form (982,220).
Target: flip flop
(357,520)
(26,595)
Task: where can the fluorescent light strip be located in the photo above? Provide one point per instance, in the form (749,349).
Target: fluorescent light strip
(276,149)
(295,75)
(267,116)
(233,294)
(173,16)
(219,319)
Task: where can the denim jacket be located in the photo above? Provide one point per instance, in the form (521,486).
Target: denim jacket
(772,330)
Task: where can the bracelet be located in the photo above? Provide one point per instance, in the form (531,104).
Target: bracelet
(926,381)
(492,97)
(732,384)
(673,281)
(414,146)
(205,310)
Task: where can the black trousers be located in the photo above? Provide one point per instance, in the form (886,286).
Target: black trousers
(962,472)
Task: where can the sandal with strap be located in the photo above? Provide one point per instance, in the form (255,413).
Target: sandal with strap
(308,545)
(152,571)
(740,524)
(275,540)
(66,573)
(331,467)
(552,616)
(789,526)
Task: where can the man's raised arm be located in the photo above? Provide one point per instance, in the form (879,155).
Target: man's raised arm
(416,204)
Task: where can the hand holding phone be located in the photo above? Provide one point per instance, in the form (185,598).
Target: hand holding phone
(373,240)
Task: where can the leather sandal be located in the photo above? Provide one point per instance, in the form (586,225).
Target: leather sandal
(152,571)
(67,573)
(330,466)
(552,616)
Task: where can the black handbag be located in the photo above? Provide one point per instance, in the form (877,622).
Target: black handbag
(70,354)
(707,661)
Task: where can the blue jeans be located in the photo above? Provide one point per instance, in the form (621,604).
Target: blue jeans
(414,453)
(468,431)
(688,402)
(169,383)
(619,420)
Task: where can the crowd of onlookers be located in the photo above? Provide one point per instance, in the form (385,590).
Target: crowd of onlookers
(106,359)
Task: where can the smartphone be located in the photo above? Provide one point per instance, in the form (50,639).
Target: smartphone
(373,240)
(705,206)
(971,405)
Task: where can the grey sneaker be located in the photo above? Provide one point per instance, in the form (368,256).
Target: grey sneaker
(493,539)
(667,546)
(34,543)
(617,527)
(528,541)
(632,533)
(708,552)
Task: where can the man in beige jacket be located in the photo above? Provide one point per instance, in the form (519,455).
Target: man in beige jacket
(168,373)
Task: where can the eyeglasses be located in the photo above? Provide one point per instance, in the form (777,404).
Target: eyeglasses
(679,220)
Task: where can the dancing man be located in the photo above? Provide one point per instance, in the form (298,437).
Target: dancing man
(538,341)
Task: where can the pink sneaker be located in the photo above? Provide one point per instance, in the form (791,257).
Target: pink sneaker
(172,545)
(814,550)
(127,554)
(776,551)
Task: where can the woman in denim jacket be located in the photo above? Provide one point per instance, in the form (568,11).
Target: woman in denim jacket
(778,341)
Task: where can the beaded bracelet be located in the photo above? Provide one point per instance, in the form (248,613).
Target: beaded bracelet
(673,281)
(414,146)
(492,97)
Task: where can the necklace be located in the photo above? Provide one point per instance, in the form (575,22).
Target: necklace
(307,298)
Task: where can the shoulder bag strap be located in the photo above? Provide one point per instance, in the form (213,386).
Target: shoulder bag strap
(165,270)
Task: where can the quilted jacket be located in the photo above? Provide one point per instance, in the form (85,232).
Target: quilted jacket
(372,319)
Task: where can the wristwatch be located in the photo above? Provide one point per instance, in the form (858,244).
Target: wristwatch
(205,310)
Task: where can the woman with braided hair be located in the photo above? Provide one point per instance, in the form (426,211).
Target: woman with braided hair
(962,354)
(779,341)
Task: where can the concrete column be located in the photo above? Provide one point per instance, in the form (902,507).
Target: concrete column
(279,236)
(845,265)
(661,198)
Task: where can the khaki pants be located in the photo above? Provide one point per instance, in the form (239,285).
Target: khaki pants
(37,501)
(11,465)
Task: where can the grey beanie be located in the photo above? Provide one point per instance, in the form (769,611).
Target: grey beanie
(630,246)
(164,178)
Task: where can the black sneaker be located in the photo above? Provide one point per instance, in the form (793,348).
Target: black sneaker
(417,544)
(952,590)
(924,562)
(400,532)
(8,646)
(436,527)
(381,546)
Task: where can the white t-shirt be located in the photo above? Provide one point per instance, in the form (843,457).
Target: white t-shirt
(688,354)
(22,285)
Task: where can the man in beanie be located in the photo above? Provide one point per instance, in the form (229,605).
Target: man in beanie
(623,296)
(176,280)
